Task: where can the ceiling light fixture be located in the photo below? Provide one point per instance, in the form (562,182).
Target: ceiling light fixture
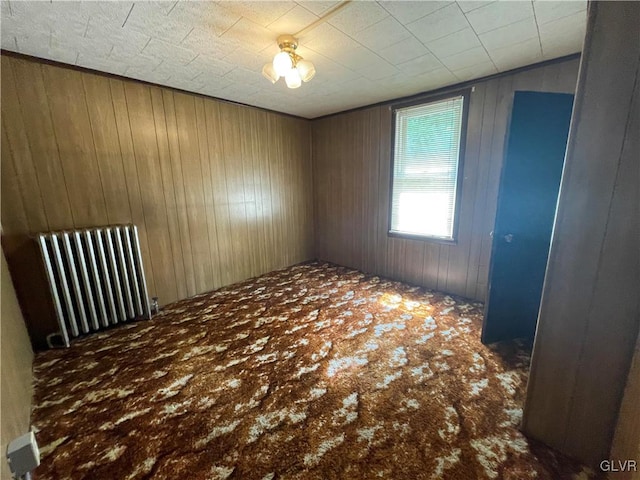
(288,64)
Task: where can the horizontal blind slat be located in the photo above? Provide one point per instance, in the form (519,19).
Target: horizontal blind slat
(426,159)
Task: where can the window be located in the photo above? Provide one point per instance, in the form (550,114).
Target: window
(426,175)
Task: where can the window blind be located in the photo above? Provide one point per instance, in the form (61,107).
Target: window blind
(425,168)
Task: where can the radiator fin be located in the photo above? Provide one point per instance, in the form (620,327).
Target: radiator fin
(96,278)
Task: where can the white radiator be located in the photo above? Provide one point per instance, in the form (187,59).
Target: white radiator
(96,278)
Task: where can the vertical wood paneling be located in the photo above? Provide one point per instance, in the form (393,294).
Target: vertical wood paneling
(290,171)
(479,227)
(443,267)
(459,257)
(626,443)
(194,190)
(590,315)
(233,166)
(19,151)
(35,117)
(383,193)
(15,221)
(132,181)
(205,172)
(105,137)
(372,176)
(149,176)
(15,368)
(264,192)
(75,144)
(179,187)
(352,163)
(14,218)
(430,263)
(277,182)
(249,184)
(169,191)
(353,227)
(219,192)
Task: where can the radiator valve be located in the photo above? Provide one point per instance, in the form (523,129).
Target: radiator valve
(155,306)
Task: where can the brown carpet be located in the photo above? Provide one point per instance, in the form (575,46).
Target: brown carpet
(312,372)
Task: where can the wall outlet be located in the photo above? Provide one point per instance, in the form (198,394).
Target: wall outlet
(23,455)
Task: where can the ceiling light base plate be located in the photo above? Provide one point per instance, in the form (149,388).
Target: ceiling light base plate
(287,42)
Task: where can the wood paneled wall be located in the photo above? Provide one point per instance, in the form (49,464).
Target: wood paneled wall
(16,358)
(220,192)
(352,153)
(626,442)
(590,311)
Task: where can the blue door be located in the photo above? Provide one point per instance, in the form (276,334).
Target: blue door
(537,140)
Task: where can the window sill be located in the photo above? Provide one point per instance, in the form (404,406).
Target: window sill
(424,238)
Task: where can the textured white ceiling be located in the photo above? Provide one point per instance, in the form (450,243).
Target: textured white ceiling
(366,53)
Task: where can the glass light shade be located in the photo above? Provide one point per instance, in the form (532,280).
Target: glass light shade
(270,73)
(282,63)
(306,69)
(292,78)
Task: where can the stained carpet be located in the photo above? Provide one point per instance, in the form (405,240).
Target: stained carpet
(312,372)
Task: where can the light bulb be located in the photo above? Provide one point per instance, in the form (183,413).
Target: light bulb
(292,78)
(282,63)
(270,73)
(306,69)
